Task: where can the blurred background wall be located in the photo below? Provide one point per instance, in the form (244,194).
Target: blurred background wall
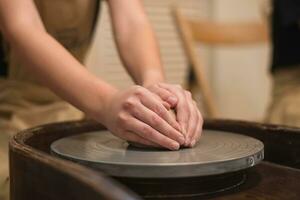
(238,75)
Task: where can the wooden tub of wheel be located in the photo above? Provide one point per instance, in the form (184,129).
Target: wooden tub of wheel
(82,160)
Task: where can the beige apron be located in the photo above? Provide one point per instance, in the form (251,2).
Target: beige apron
(23,101)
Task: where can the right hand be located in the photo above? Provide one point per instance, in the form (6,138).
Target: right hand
(139,116)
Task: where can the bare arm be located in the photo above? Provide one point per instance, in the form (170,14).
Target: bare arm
(134,114)
(47,59)
(140,54)
(136,41)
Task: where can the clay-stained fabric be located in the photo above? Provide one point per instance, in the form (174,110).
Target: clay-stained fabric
(285,106)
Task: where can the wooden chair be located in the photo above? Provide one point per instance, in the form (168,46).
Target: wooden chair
(211,33)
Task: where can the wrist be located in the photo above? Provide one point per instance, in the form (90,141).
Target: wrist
(97,107)
(152,76)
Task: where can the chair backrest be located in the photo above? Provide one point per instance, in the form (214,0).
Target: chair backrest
(228,34)
(211,33)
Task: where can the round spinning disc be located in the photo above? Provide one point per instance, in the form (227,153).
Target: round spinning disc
(217,152)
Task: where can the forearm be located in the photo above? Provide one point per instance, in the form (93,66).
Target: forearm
(59,70)
(140,54)
(137,44)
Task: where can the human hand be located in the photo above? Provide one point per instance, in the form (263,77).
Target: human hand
(169,99)
(139,116)
(187,112)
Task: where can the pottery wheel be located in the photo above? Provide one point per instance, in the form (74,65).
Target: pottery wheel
(216,153)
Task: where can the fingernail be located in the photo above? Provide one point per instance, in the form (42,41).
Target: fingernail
(182,139)
(172,100)
(193,143)
(175,146)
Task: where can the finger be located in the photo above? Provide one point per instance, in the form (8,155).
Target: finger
(166,95)
(156,106)
(155,121)
(198,129)
(193,120)
(198,135)
(132,137)
(181,107)
(194,130)
(155,90)
(183,114)
(149,133)
(166,105)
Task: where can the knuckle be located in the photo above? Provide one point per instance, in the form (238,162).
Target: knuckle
(122,117)
(147,131)
(158,110)
(129,104)
(139,91)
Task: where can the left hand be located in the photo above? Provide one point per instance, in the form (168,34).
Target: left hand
(187,112)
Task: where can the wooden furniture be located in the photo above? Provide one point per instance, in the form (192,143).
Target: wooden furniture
(36,174)
(211,33)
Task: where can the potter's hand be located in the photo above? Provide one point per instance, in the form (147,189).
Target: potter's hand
(187,112)
(137,115)
(170,100)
